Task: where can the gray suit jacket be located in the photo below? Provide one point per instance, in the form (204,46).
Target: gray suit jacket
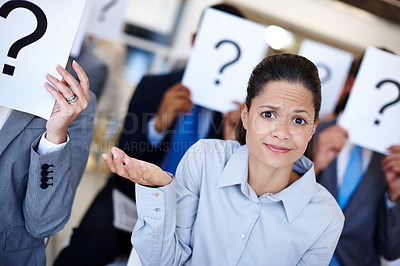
(37,191)
(370,229)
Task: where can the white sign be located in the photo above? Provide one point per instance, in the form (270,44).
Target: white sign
(108,19)
(81,33)
(226,50)
(125,213)
(25,61)
(333,67)
(372,112)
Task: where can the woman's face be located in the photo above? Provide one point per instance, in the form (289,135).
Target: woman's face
(279,124)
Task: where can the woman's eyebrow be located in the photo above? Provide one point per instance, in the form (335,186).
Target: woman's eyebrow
(302,111)
(270,107)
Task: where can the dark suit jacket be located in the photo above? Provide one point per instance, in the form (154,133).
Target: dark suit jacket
(37,191)
(142,107)
(370,229)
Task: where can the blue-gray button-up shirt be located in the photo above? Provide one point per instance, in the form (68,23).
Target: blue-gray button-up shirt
(210,215)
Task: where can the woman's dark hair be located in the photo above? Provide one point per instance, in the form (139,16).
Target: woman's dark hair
(282,67)
(229,9)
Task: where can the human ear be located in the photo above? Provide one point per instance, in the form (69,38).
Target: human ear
(314,127)
(244,115)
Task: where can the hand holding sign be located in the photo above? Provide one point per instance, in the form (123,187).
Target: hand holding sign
(49,28)
(66,111)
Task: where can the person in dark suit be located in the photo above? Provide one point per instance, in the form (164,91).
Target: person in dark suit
(158,107)
(372,211)
(41,166)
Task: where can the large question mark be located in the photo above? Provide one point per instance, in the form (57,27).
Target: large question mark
(324,72)
(102,16)
(377,122)
(27,40)
(230,62)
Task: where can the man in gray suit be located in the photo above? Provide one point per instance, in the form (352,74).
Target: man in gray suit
(41,166)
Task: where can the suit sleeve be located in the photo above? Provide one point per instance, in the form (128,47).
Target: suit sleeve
(54,177)
(389,231)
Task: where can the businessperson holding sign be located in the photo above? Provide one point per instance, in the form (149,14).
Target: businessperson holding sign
(41,165)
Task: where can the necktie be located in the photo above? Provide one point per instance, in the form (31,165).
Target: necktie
(352,177)
(186,134)
(334,261)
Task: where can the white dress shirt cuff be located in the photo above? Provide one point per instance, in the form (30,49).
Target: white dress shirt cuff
(389,204)
(155,202)
(154,137)
(46,146)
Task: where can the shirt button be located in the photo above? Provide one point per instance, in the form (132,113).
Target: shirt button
(243,236)
(157,209)
(156,194)
(157,240)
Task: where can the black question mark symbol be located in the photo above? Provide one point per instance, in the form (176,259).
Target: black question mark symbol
(105,8)
(324,68)
(27,40)
(230,62)
(378,86)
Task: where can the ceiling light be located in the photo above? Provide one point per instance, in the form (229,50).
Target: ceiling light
(278,38)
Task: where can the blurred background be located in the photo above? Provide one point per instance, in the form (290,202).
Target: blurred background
(156,38)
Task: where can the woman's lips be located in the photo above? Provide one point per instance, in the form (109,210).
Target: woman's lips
(277,149)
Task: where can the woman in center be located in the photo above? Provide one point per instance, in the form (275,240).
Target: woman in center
(254,201)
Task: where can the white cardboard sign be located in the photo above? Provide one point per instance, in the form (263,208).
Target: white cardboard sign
(81,32)
(108,19)
(23,68)
(372,112)
(333,67)
(226,50)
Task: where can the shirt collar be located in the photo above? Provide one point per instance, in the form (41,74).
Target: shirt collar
(294,198)
(236,169)
(297,196)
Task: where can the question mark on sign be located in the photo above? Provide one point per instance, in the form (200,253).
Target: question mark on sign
(238,53)
(40,30)
(377,122)
(324,72)
(105,8)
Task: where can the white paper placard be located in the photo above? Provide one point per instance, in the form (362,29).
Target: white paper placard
(108,19)
(372,112)
(333,67)
(81,32)
(226,50)
(124,210)
(24,90)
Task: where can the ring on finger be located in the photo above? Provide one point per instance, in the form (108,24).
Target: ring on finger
(140,180)
(72,99)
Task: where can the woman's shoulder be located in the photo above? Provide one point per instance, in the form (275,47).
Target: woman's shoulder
(329,204)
